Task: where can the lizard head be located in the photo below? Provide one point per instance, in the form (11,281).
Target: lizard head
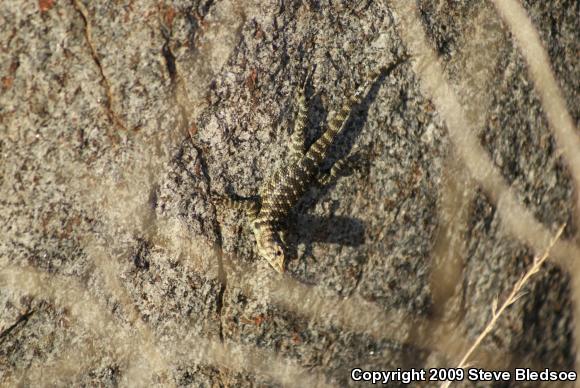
(274,253)
(272,250)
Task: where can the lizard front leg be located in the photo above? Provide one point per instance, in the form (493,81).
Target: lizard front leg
(249,206)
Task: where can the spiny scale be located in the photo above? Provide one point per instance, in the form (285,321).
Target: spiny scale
(285,187)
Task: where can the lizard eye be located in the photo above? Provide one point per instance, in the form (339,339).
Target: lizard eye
(278,252)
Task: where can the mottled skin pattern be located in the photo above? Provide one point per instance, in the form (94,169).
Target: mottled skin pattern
(285,187)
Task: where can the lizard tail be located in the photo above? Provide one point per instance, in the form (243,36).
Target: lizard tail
(318,150)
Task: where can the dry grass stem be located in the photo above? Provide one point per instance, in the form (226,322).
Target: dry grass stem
(515,294)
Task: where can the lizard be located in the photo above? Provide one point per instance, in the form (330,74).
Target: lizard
(278,194)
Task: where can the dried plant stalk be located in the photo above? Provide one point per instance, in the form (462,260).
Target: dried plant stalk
(515,294)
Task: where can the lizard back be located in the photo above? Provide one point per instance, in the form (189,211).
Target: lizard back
(285,188)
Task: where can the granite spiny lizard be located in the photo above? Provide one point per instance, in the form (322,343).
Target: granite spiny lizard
(284,188)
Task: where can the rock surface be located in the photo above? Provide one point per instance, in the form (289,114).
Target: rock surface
(119,122)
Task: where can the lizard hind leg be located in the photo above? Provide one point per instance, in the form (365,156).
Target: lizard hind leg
(340,168)
(326,178)
(298,138)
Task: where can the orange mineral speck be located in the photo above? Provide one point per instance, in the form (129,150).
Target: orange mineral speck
(7,82)
(192,130)
(259,320)
(296,339)
(45,5)
(170,15)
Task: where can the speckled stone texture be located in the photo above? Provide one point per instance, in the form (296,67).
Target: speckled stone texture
(119,121)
